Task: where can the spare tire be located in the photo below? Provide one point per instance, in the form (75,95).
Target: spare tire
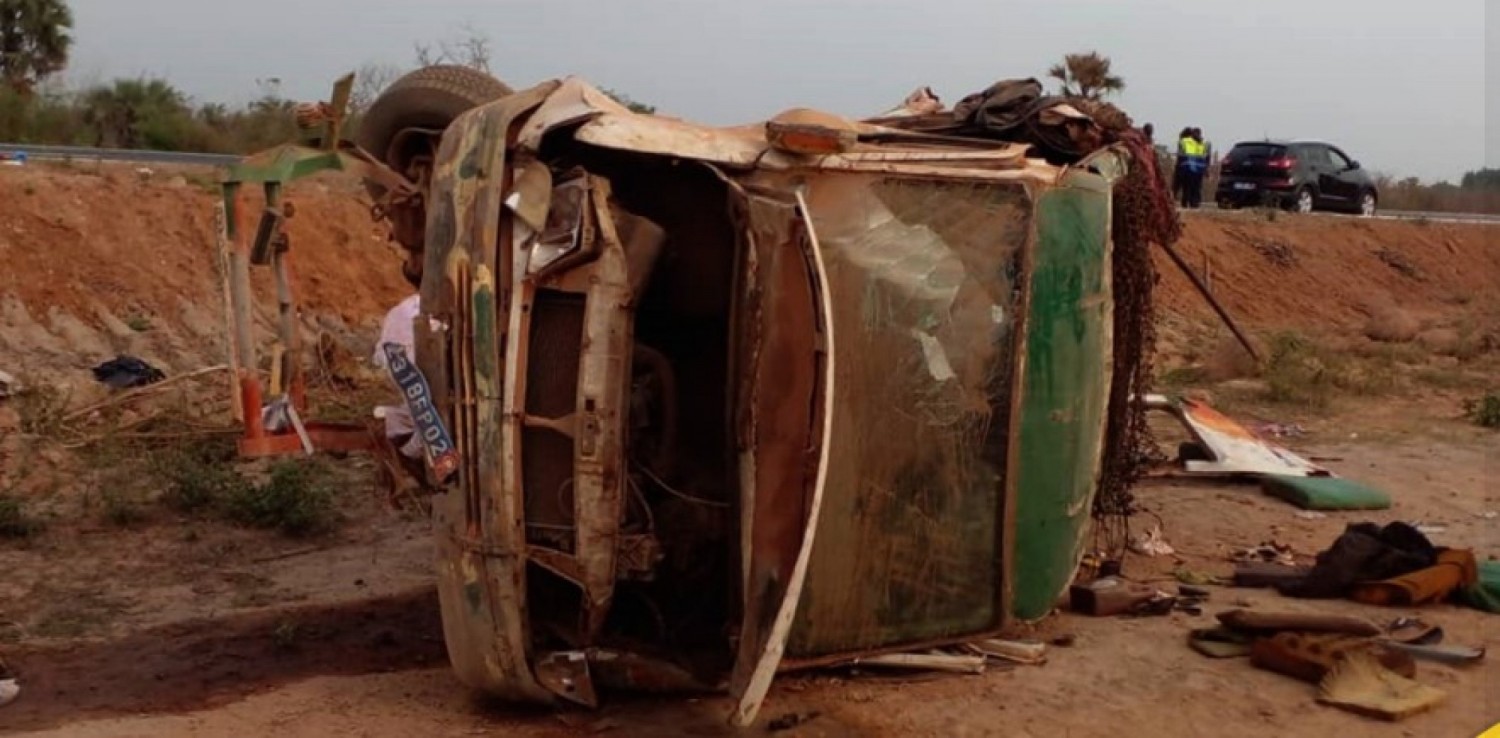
(430,97)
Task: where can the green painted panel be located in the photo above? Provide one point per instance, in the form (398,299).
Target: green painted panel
(1063,398)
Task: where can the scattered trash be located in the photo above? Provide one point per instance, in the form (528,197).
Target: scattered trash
(9,687)
(791,720)
(1189,576)
(1310,515)
(126,372)
(1188,590)
(1365,552)
(8,385)
(1151,543)
(1160,603)
(1487,514)
(1269,552)
(1324,493)
(1484,594)
(1430,529)
(956,663)
(1280,430)
(1311,656)
(1066,640)
(1219,643)
(1257,621)
(1260,575)
(1019,652)
(1108,596)
(1226,447)
(1452,655)
(1413,630)
(1360,684)
(1454,570)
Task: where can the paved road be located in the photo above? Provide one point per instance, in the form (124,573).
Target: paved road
(182,157)
(1391,215)
(132,155)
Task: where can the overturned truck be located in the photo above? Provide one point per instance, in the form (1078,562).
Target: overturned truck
(734,401)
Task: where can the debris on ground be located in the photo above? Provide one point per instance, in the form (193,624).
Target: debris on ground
(1357,665)
(1365,552)
(1262,574)
(1108,596)
(1324,493)
(791,720)
(1151,543)
(1189,576)
(1259,621)
(955,663)
(1362,685)
(1455,569)
(8,385)
(1311,656)
(1223,447)
(1032,653)
(9,687)
(1268,552)
(1220,642)
(1310,515)
(127,372)
(1484,593)
(1280,430)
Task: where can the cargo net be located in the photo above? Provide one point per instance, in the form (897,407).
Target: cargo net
(1143,214)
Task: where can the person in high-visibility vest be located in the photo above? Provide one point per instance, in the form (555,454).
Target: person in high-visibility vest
(1193,154)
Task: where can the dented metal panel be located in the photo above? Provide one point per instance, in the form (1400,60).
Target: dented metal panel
(1232,448)
(1061,405)
(915,482)
(477,522)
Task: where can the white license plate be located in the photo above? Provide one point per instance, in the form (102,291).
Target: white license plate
(1244,185)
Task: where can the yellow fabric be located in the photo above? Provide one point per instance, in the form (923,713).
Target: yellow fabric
(1192,147)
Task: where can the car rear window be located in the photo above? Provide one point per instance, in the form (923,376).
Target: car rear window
(1245,152)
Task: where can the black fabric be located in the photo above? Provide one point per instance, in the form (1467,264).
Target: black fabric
(1011,110)
(1365,553)
(124,372)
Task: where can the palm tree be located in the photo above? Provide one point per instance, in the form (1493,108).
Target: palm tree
(1086,75)
(34,41)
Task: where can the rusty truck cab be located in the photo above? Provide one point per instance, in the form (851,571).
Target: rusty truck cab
(725,407)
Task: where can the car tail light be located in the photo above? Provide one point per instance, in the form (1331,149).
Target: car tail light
(1285,162)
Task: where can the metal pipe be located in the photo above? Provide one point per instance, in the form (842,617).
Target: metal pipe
(1203,290)
(239,286)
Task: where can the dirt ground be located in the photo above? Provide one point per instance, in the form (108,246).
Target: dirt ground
(177,625)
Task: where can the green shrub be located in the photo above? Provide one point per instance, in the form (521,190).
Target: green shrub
(297,500)
(15,520)
(1484,411)
(199,478)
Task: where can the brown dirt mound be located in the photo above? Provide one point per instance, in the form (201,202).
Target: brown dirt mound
(1325,273)
(103,263)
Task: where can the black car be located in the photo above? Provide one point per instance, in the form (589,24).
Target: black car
(1298,175)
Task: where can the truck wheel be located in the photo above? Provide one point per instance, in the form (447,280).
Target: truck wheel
(430,97)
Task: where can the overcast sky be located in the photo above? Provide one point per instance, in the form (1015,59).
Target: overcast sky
(1400,85)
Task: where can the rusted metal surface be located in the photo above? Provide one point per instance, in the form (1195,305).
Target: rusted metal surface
(873,481)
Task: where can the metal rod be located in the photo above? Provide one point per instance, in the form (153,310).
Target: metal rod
(1207,295)
(239,287)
